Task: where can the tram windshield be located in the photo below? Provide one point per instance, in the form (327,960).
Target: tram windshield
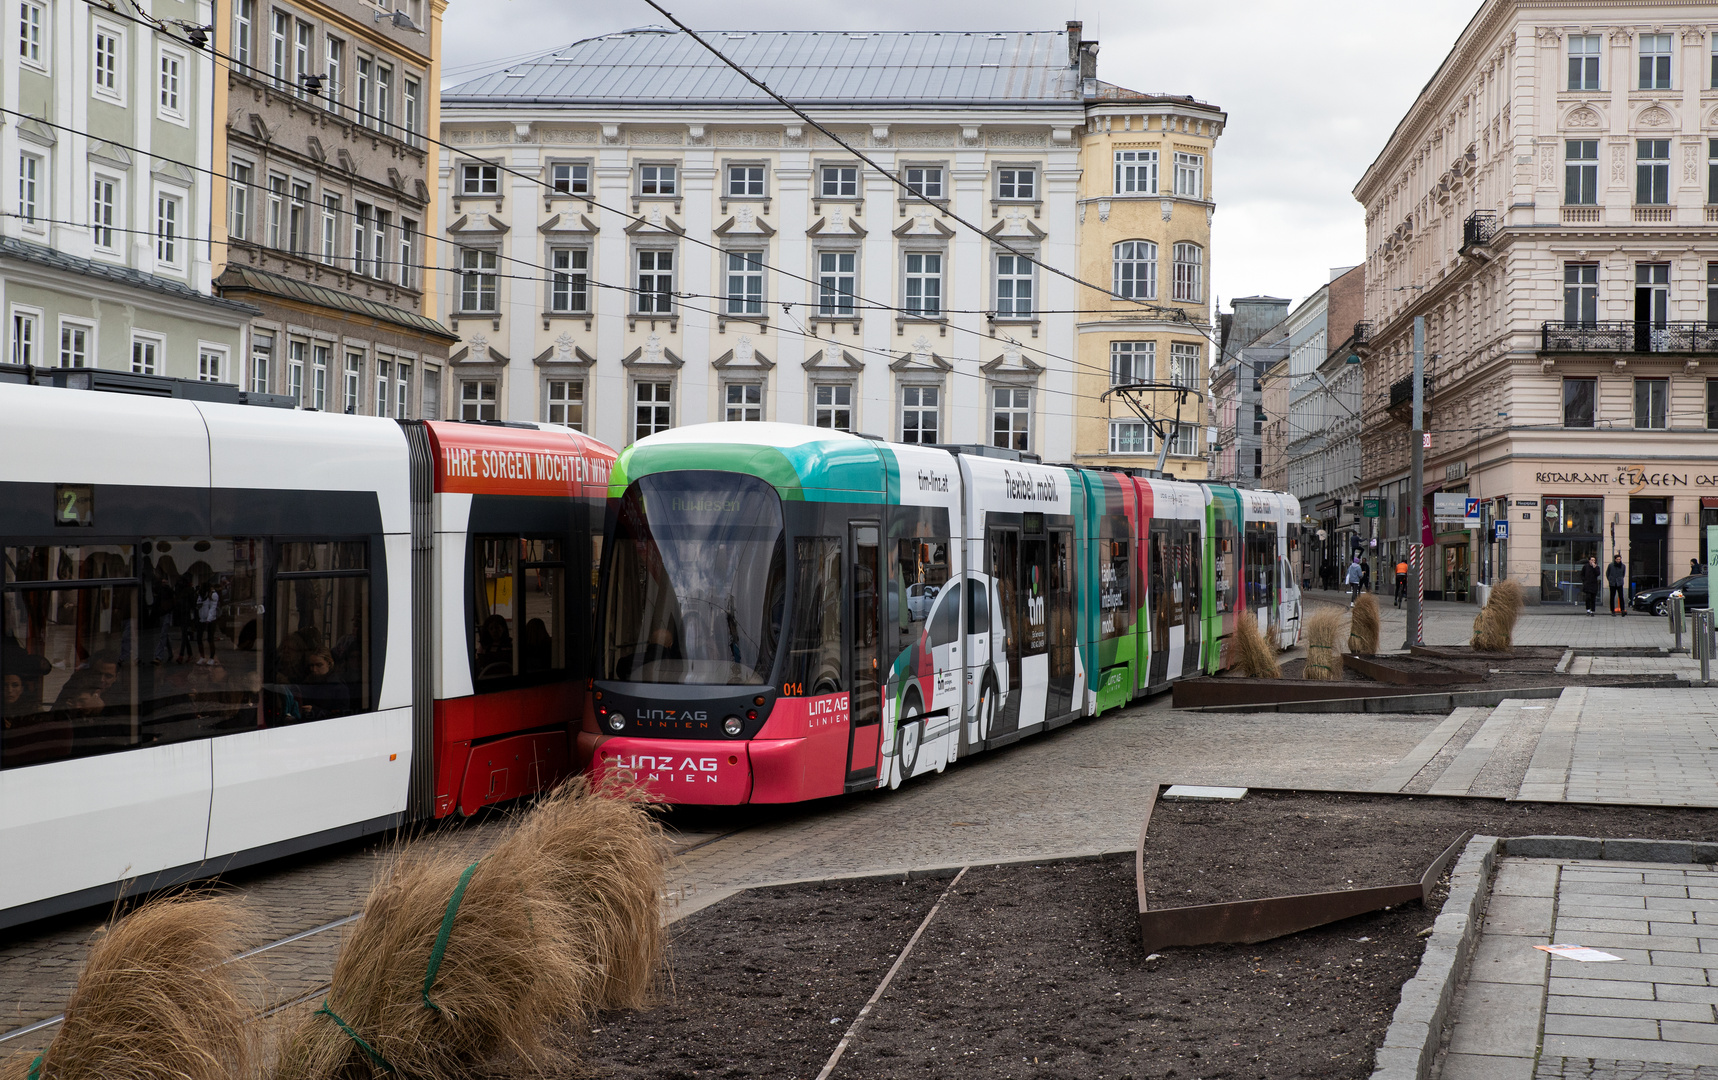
(696,581)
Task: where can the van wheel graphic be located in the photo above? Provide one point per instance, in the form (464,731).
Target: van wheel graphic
(908,732)
(988,703)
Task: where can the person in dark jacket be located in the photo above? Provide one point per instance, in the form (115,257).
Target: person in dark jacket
(1590,584)
(1365,575)
(1616,576)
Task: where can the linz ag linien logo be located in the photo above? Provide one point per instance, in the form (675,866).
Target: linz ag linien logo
(663,767)
(1023,486)
(672,716)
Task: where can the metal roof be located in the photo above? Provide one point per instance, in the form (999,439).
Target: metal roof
(654,66)
(242,279)
(119,275)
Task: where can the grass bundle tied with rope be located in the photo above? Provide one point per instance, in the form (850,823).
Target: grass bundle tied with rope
(1363,626)
(1253,657)
(156,1000)
(1323,655)
(460,970)
(1494,626)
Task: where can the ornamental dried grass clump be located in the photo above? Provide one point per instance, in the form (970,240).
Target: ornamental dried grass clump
(1363,626)
(1494,626)
(1253,657)
(561,919)
(157,1000)
(1323,656)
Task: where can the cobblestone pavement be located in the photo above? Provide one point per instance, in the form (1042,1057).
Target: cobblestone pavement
(1603,745)
(1524,1015)
(1449,623)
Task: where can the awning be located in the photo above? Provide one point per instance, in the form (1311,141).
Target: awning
(1709,502)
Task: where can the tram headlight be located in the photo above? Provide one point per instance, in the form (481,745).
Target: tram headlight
(733,726)
(616,721)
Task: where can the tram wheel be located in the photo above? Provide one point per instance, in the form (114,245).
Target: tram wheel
(908,734)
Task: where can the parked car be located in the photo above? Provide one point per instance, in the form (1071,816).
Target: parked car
(1657,601)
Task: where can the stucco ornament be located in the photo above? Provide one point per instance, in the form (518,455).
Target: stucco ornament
(479,347)
(564,347)
(653,349)
(922,350)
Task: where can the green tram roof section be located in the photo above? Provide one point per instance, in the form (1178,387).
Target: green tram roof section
(802,463)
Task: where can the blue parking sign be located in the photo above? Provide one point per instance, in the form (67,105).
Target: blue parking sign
(1503,530)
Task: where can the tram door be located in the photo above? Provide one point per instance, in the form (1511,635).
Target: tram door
(1062,571)
(1160,604)
(1005,571)
(864,674)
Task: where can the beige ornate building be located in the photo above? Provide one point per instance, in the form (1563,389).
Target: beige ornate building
(1548,205)
(647,241)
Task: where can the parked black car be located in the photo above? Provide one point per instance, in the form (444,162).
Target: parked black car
(1657,601)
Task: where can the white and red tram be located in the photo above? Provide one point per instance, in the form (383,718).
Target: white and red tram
(230,633)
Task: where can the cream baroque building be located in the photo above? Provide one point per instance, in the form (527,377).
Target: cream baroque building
(646,241)
(1548,205)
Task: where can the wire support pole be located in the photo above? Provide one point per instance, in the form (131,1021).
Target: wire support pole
(1417,494)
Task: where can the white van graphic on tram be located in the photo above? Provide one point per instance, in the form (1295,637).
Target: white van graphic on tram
(932,673)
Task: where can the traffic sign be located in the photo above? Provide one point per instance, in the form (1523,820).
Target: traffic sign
(1503,530)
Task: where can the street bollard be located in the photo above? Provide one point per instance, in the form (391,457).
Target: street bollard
(1676,613)
(1701,619)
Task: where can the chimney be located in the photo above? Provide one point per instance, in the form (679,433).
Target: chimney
(1088,59)
(1074,26)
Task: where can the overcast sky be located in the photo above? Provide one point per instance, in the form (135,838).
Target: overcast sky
(1312,89)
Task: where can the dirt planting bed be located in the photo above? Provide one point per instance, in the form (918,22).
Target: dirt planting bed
(1036,970)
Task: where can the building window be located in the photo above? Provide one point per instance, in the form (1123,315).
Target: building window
(244,33)
(924,290)
(745,286)
(432,392)
(361,91)
(1655,61)
(838,182)
(239,201)
(1013,287)
(384,386)
(1580,292)
(476,281)
(1129,437)
(835,273)
(1184,442)
(320,356)
(280,35)
(570,178)
(209,365)
(1258,464)
(30,172)
(480,180)
(167,230)
(1136,172)
(745,181)
(925,181)
(145,355)
(413,113)
(1712,170)
(1131,361)
(1189,272)
(353,383)
(104,201)
(1190,175)
(106,60)
(564,403)
(296,359)
(1184,364)
(379,246)
(74,344)
(31,23)
(832,406)
(298,218)
(408,252)
(569,286)
(1712,295)
(360,238)
(1584,62)
(1011,417)
(1135,270)
(921,411)
(655,282)
(1581,172)
(653,404)
(1652,172)
(403,390)
(385,100)
(262,355)
(333,63)
(657,180)
(1712,404)
(477,399)
(1579,398)
(330,228)
(744,401)
(25,335)
(303,37)
(1654,280)
(1017,183)
(276,209)
(1651,396)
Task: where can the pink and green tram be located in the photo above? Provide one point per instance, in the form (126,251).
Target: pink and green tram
(788,613)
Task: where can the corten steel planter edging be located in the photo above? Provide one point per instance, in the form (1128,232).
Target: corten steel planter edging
(1432,675)
(1243,922)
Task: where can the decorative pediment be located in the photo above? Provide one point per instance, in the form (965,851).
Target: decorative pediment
(563,351)
(108,154)
(744,220)
(743,356)
(395,179)
(1013,362)
(313,146)
(655,221)
(477,351)
(422,189)
(1016,221)
(923,223)
(488,223)
(652,354)
(344,157)
(259,128)
(35,131)
(1582,117)
(173,172)
(567,223)
(837,223)
(832,359)
(921,358)
(1654,116)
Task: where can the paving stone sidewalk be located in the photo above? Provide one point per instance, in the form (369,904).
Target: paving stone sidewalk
(1526,1015)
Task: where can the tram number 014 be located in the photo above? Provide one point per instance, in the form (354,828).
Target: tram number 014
(74,505)
(792,689)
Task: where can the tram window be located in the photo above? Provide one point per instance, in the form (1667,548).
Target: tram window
(945,621)
(1061,605)
(1113,591)
(814,650)
(920,572)
(977,608)
(109,647)
(322,632)
(519,607)
(1035,580)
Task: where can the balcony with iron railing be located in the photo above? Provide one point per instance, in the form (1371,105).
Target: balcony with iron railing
(1628,337)
(1402,393)
(1479,229)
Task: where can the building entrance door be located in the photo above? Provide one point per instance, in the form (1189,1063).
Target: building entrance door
(1649,532)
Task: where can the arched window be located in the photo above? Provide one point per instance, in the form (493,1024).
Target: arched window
(1189,272)
(1136,270)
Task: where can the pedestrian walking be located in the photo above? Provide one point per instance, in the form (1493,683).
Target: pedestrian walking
(1401,583)
(1616,576)
(1352,580)
(1365,575)
(1590,584)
